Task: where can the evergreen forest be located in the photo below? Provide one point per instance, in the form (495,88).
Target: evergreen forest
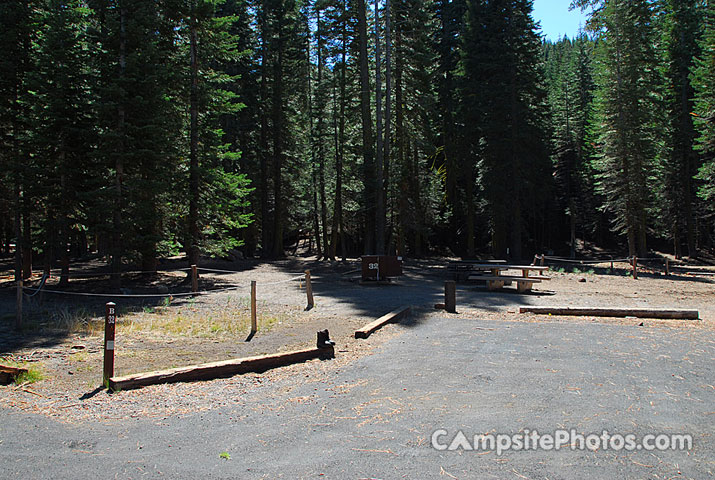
(141,129)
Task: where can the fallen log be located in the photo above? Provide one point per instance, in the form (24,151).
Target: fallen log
(226,368)
(614,312)
(393,316)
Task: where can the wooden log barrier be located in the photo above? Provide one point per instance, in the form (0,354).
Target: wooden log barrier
(615,312)
(371,327)
(226,368)
(8,373)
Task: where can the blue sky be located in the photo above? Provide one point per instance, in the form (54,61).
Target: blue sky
(556,20)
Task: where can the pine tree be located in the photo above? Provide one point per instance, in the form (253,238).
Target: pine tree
(63,123)
(681,25)
(504,113)
(217,206)
(568,75)
(16,26)
(625,78)
(703,79)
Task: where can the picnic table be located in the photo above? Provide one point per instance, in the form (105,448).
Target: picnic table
(530,274)
(462,269)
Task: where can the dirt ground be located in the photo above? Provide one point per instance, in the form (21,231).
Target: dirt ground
(63,334)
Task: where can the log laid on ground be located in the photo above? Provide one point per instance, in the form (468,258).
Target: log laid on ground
(226,368)
(614,312)
(393,316)
(8,374)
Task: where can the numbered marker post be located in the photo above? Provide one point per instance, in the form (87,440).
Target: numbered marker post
(109,326)
(375,266)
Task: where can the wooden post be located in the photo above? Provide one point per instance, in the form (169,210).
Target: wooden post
(309,290)
(110,321)
(542,259)
(611,271)
(254,322)
(450,296)
(667,267)
(18,308)
(635,267)
(194,279)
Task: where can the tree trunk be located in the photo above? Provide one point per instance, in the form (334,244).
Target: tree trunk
(119,162)
(340,149)
(379,165)
(278,143)
(50,242)
(18,237)
(321,135)
(64,236)
(388,94)
(194,229)
(367,146)
(26,241)
(469,180)
(400,138)
(266,224)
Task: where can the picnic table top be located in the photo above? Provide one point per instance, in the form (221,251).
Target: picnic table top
(504,266)
(490,262)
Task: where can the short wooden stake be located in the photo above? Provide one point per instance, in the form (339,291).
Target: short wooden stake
(110,321)
(18,308)
(309,290)
(254,322)
(194,279)
(635,267)
(667,267)
(450,296)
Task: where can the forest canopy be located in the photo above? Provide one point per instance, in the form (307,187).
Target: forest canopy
(137,130)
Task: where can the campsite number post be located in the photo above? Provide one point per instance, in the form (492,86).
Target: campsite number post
(109,326)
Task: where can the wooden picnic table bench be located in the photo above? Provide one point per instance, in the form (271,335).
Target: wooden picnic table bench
(524,283)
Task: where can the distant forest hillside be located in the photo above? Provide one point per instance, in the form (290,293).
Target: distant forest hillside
(140,129)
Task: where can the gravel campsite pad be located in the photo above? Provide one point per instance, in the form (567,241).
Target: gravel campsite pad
(153,334)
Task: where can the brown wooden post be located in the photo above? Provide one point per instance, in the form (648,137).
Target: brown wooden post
(309,290)
(450,296)
(635,267)
(254,322)
(542,259)
(110,321)
(194,279)
(667,267)
(18,308)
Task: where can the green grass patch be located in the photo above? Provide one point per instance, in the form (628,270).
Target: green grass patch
(33,375)
(34,372)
